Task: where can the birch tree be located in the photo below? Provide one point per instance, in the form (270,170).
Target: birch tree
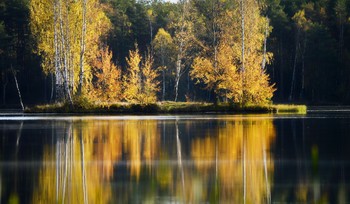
(67,41)
(302,25)
(163,49)
(182,39)
(82,47)
(236,72)
(255,84)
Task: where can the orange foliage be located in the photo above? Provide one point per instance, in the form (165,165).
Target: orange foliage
(107,86)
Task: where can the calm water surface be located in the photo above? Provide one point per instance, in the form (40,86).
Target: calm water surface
(176,159)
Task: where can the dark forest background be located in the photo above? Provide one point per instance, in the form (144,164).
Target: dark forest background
(310,42)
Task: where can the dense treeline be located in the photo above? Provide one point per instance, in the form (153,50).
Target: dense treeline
(300,46)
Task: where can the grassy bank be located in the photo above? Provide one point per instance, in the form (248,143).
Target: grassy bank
(163,107)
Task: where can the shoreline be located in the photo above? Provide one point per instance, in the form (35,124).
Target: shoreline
(165,108)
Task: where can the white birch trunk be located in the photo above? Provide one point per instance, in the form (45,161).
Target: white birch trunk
(177,77)
(64,54)
(82,49)
(18,91)
(180,54)
(59,95)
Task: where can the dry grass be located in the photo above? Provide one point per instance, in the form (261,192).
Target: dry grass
(164,107)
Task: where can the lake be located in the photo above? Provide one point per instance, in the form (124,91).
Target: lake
(176,159)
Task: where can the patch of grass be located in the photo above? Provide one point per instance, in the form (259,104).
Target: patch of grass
(184,107)
(283,108)
(84,106)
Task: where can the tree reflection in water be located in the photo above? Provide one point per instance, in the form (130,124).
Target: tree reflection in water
(239,154)
(126,161)
(69,173)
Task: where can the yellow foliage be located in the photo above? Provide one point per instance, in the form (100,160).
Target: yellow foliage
(132,81)
(107,86)
(68,26)
(227,76)
(224,79)
(140,84)
(162,40)
(150,82)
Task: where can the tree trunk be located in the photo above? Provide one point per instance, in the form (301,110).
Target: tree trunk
(177,78)
(243,52)
(64,53)
(180,54)
(18,91)
(294,66)
(215,44)
(151,32)
(82,50)
(163,92)
(59,90)
(163,70)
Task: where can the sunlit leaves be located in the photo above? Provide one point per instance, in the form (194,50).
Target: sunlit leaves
(132,81)
(68,32)
(223,71)
(140,84)
(150,82)
(108,85)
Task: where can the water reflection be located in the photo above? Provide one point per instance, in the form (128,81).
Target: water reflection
(242,166)
(67,175)
(150,160)
(228,163)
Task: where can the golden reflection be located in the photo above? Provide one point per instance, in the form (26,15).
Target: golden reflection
(79,167)
(140,140)
(239,156)
(230,163)
(67,174)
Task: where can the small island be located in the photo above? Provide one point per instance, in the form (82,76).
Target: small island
(230,64)
(167,107)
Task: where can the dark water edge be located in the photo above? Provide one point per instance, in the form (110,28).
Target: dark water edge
(183,159)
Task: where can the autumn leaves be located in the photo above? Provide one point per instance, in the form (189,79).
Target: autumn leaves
(232,64)
(234,67)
